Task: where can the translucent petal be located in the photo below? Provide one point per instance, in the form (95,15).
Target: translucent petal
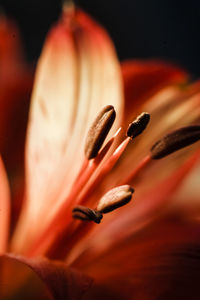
(4,208)
(78,73)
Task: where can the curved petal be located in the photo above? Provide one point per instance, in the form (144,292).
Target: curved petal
(161,262)
(78,73)
(169,108)
(40,278)
(10,45)
(129,220)
(15,88)
(142,79)
(4,208)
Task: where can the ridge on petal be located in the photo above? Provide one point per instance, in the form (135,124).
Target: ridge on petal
(78,73)
(40,278)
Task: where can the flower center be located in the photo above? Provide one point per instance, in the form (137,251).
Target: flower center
(81,202)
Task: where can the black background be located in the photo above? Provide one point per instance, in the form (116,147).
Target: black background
(167,29)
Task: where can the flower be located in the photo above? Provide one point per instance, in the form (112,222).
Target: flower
(69,189)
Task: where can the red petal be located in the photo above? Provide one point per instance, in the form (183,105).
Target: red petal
(15,87)
(144,78)
(19,282)
(4,208)
(147,207)
(40,278)
(161,262)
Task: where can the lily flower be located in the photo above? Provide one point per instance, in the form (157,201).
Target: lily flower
(111,207)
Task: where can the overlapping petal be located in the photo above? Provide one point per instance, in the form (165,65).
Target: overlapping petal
(170,106)
(15,88)
(78,73)
(4,209)
(160,262)
(145,208)
(143,79)
(148,240)
(40,279)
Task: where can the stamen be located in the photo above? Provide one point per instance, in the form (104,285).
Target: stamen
(86,214)
(138,125)
(89,168)
(115,198)
(139,167)
(99,130)
(175,140)
(105,169)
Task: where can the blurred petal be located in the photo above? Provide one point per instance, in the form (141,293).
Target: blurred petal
(4,208)
(160,262)
(40,278)
(170,108)
(10,47)
(153,202)
(78,73)
(19,282)
(142,79)
(124,224)
(15,87)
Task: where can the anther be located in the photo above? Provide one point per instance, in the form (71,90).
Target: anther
(138,125)
(115,198)
(86,214)
(175,140)
(99,130)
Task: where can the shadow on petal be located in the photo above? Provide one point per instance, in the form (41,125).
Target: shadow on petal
(160,262)
(142,79)
(22,278)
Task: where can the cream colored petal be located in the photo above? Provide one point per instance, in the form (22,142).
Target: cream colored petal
(77,74)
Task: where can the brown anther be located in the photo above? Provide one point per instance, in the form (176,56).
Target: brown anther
(99,130)
(86,214)
(175,140)
(138,125)
(115,198)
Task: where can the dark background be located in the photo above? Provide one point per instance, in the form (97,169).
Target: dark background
(167,29)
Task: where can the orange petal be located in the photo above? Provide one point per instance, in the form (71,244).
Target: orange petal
(4,208)
(10,45)
(77,74)
(15,87)
(161,262)
(125,224)
(142,79)
(170,109)
(40,279)
(155,200)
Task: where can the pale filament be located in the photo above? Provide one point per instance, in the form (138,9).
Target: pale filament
(63,217)
(82,190)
